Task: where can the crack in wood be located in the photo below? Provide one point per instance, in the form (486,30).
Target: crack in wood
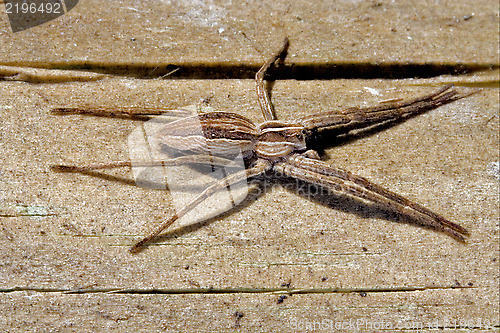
(289,291)
(296,71)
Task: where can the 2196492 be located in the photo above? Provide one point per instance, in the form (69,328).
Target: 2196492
(34,8)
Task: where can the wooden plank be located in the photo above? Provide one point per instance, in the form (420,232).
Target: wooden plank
(65,264)
(158,33)
(377,312)
(70,232)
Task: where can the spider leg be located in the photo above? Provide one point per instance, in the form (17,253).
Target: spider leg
(264,100)
(341,181)
(358,118)
(139,113)
(182,160)
(260,167)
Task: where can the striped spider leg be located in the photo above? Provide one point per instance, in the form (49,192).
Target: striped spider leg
(281,146)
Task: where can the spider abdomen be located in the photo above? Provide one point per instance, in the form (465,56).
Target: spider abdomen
(215,133)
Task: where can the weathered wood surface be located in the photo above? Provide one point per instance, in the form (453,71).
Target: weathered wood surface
(341,264)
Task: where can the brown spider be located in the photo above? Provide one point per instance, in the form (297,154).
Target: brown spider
(281,147)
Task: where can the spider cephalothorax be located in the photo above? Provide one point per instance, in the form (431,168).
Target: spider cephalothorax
(277,140)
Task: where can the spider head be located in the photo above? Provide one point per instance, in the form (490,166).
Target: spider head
(296,136)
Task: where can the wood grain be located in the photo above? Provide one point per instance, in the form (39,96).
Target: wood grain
(64,237)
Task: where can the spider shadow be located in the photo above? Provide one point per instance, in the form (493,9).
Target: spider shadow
(100,175)
(323,139)
(192,227)
(352,205)
(338,202)
(171,233)
(144,183)
(329,138)
(310,192)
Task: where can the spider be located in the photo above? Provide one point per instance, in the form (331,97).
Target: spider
(277,146)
